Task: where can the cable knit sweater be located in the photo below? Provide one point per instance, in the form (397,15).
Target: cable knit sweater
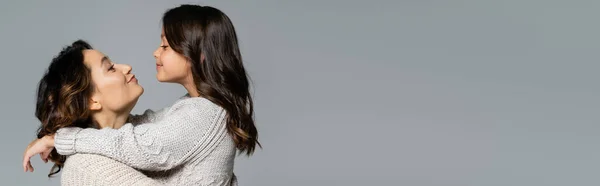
(96,170)
(185,144)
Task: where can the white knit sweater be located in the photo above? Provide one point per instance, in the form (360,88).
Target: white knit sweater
(96,170)
(185,144)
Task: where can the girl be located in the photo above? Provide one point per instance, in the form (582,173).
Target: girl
(194,141)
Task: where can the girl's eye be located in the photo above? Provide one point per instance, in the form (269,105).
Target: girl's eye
(112,67)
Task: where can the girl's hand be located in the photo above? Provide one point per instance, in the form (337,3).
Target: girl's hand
(41,146)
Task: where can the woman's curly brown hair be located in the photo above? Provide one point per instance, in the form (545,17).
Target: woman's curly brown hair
(63,95)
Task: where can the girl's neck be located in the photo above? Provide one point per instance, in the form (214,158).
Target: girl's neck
(190,86)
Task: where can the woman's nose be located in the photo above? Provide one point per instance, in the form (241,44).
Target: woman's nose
(126,68)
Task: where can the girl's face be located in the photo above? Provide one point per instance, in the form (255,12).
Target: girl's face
(171,66)
(116,89)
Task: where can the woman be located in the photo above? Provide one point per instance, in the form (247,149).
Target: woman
(194,141)
(83,88)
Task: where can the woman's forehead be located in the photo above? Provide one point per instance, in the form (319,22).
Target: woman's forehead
(94,58)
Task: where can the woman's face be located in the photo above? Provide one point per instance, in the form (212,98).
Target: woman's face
(171,66)
(116,89)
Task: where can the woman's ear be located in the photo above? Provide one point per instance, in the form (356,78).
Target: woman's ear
(95,105)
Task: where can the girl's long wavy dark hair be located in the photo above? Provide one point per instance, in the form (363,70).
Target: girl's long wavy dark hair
(63,95)
(195,31)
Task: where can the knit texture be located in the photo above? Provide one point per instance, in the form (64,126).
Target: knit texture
(149,116)
(96,170)
(186,144)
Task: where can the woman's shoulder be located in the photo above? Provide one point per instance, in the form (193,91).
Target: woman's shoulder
(78,166)
(79,169)
(86,159)
(88,162)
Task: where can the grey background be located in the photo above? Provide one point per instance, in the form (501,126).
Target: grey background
(419,93)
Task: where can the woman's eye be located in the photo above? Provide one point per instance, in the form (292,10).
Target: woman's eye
(112,67)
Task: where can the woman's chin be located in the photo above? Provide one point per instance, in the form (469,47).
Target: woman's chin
(137,92)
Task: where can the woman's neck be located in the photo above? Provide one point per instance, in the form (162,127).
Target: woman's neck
(110,120)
